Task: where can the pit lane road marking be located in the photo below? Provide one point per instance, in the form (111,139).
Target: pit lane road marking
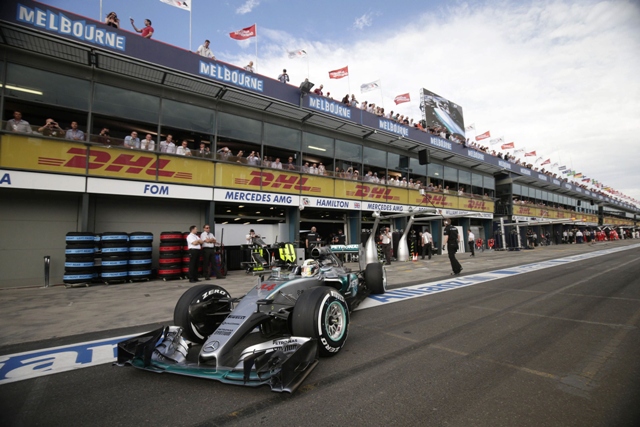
(33,364)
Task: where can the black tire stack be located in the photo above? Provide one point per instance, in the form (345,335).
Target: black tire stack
(170,259)
(115,257)
(79,258)
(140,255)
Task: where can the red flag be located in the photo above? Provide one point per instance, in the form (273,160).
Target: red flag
(485,135)
(546,162)
(339,73)
(405,97)
(508,146)
(244,33)
(532,153)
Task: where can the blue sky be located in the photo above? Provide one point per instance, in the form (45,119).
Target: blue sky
(556,76)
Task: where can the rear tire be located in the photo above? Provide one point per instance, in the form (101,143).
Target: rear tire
(199,311)
(375,278)
(323,314)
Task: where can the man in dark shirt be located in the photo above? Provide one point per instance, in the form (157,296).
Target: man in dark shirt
(451,239)
(313,239)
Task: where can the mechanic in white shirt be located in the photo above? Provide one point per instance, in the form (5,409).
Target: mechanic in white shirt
(471,240)
(208,254)
(193,244)
(427,243)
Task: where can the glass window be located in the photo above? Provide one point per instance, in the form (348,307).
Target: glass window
(464,177)
(489,182)
(450,174)
(186,116)
(117,102)
(348,155)
(31,84)
(435,170)
(373,157)
(317,145)
(476,180)
(239,128)
(517,190)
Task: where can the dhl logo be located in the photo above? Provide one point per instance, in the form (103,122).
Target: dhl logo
(368,192)
(560,214)
(277,180)
(134,164)
(436,200)
(476,205)
(524,211)
(544,213)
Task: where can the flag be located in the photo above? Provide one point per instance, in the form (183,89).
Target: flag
(339,73)
(470,127)
(555,165)
(566,171)
(185,5)
(405,97)
(518,151)
(244,33)
(300,53)
(529,154)
(563,167)
(508,146)
(482,136)
(496,141)
(370,86)
(578,175)
(546,162)
(585,179)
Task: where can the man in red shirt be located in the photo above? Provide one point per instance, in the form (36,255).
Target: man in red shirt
(147,31)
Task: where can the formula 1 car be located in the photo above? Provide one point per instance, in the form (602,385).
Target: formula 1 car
(271,336)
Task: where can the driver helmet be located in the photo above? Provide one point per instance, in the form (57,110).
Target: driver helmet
(310,268)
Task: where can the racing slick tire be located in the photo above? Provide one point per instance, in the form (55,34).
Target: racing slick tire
(199,311)
(375,278)
(323,314)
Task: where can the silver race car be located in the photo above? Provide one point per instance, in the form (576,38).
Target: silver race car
(273,335)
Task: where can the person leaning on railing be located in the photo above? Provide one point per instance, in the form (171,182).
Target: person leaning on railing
(51,129)
(17,124)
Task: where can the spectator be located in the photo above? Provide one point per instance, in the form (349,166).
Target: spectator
(249,67)
(240,157)
(132,141)
(103,137)
(318,90)
(204,50)
(112,20)
(461,191)
(224,153)
(147,31)
(51,128)
(329,96)
(277,164)
(266,161)
(306,168)
(354,101)
(17,124)
(203,151)
(284,77)
(253,159)
(183,150)
(345,100)
(314,169)
(148,143)
(167,146)
(74,133)
(321,169)
(291,164)
(363,106)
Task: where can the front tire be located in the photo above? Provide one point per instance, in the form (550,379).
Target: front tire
(375,278)
(199,311)
(323,314)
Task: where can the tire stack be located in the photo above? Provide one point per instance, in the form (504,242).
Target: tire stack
(79,258)
(170,260)
(115,257)
(140,255)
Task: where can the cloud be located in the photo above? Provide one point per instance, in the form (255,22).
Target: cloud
(363,21)
(247,7)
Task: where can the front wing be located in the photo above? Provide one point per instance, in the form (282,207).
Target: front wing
(283,364)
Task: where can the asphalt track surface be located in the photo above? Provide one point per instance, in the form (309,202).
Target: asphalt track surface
(554,347)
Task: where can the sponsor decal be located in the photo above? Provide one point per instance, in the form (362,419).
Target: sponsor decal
(476,205)
(329,106)
(6,179)
(271,180)
(212,346)
(525,171)
(439,142)
(556,181)
(393,127)
(59,23)
(133,164)
(327,203)
(370,206)
(372,192)
(436,200)
(475,154)
(252,196)
(240,78)
(504,164)
(543,177)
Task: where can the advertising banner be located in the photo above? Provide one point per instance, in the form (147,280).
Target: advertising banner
(254,179)
(370,192)
(185,170)
(42,181)
(23,152)
(437,200)
(146,189)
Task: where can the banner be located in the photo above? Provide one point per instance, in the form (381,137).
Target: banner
(508,146)
(546,162)
(339,73)
(301,53)
(470,127)
(244,33)
(367,87)
(185,5)
(496,140)
(405,97)
(529,154)
(482,136)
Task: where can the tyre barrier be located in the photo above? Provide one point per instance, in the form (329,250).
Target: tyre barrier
(79,262)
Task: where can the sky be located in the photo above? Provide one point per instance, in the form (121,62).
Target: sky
(561,77)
